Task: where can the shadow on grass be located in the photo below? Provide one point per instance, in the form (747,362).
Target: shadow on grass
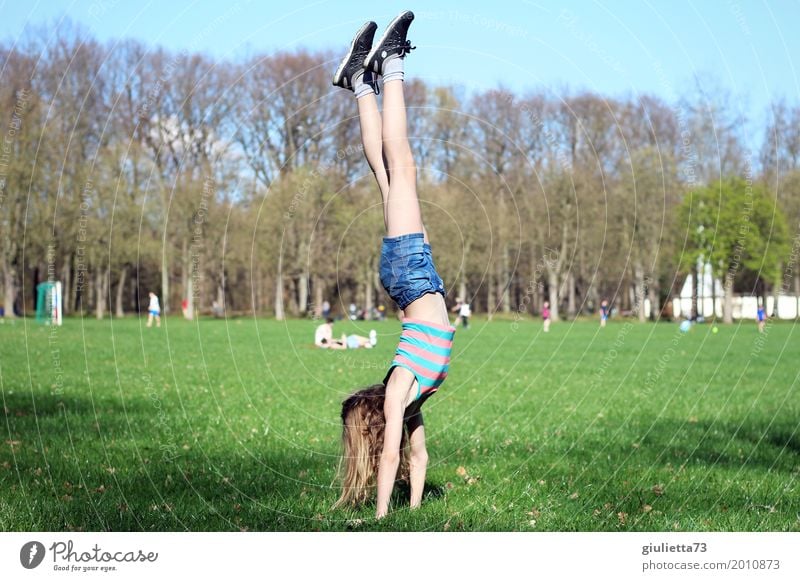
(727,444)
(76,463)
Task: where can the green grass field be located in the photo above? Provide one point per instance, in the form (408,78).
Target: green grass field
(234,425)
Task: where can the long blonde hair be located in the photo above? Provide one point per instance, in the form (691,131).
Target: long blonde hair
(363,427)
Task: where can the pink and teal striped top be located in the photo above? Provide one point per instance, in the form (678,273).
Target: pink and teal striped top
(424,350)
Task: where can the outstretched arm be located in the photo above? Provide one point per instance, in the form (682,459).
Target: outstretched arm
(397,390)
(418,463)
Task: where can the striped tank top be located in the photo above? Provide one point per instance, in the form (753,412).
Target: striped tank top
(424,350)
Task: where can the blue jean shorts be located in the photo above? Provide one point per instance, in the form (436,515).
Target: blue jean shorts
(407,270)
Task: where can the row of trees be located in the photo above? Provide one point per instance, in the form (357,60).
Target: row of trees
(125,169)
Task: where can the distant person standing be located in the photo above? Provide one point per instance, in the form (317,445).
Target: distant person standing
(153,311)
(187,312)
(326,309)
(465,312)
(603,313)
(761,316)
(546,316)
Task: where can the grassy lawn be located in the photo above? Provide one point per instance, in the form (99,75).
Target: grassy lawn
(229,425)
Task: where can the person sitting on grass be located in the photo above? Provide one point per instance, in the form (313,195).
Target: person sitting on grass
(379,420)
(323,338)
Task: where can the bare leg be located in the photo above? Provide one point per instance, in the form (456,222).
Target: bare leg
(403,215)
(372,139)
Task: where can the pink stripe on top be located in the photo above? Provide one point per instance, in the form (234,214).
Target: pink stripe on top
(424,349)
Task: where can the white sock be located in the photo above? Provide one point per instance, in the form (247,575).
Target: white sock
(393,69)
(360,88)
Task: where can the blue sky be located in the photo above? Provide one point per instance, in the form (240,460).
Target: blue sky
(750,48)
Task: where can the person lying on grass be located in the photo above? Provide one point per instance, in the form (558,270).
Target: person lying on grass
(323,338)
(380,420)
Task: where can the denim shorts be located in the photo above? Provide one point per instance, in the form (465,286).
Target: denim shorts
(407,270)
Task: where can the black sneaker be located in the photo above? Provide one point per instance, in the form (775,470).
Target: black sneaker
(353,62)
(392,42)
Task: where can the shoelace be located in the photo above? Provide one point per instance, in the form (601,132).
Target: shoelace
(406,48)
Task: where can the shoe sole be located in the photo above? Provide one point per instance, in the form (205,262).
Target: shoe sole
(375,48)
(337,77)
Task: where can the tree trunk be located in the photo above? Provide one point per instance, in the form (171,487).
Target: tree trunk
(279,311)
(727,305)
(134,298)
(695,282)
(639,293)
(653,297)
(164,280)
(89,285)
(189,315)
(302,292)
(186,271)
(293,309)
(504,282)
(462,288)
(538,298)
(571,302)
(490,301)
(258,293)
(369,293)
(552,288)
(118,311)
(66,272)
(101,291)
(319,297)
(79,284)
(776,291)
(9,289)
